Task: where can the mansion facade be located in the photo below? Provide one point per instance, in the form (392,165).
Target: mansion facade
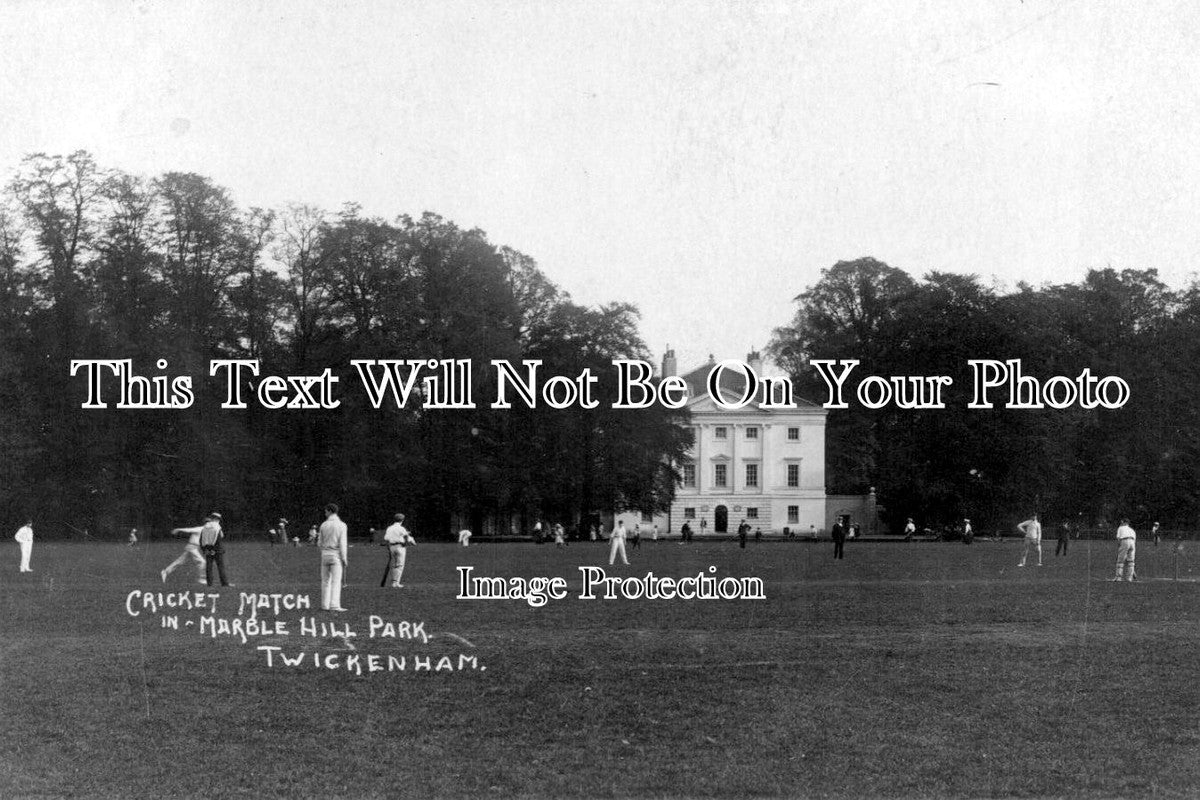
(763,466)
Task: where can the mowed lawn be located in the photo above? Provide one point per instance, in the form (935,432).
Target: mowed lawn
(917,670)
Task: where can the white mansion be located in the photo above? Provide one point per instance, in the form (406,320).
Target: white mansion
(764,466)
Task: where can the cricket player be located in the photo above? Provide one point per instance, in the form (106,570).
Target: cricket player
(1154,532)
(24,538)
(212,545)
(332,541)
(397,539)
(910,528)
(1064,539)
(1033,538)
(191,551)
(560,535)
(464,537)
(618,544)
(132,536)
(1126,550)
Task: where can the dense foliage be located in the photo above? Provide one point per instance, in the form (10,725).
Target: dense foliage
(997,466)
(99,264)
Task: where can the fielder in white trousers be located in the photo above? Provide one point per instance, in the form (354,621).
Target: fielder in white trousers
(618,545)
(24,538)
(332,539)
(331,580)
(1126,551)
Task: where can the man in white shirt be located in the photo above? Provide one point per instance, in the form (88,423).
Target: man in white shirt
(332,541)
(1126,547)
(1033,538)
(909,529)
(464,537)
(24,538)
(618,544)
(397,539)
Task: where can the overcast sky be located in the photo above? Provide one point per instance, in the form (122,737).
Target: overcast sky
(704,160)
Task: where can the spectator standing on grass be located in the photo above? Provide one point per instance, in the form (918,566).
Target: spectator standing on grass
(560,535)
(331,539)
(968,534)
(1032,529)
(1126,551)
(618,544)
(758,534)
(685,533)
(1154,532)
(654,534)
(132,537)
(637,535)
(24,538)
(839,540)
(909,529)
(1064,538)
(397,539)
(464,537)
(743,532)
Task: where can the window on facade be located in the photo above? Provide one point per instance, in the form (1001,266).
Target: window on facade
(751,513)
(793,434)
(752,474)
(689,476)
(719,475)
(793,515)
(720,432)
(752,432)
(689,513)
(793,478)
(647,517)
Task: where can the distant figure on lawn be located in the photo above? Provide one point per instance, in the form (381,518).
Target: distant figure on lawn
(464,537)
(1126,551)
(909,529)
(24,538)
(654,534)
(332,541)
(560,535)
(743,532)
(1064,538)
(637,535)
(685,533)
(968,533)
(1154,532)
(594,532)
(618,544)
(1033,538)
(132,536)
(839,540)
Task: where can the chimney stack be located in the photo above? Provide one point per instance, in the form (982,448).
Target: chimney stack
(754,359)
(669,367)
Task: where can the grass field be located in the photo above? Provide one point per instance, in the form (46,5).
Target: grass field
(914,670)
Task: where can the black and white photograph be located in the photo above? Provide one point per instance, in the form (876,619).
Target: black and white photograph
(599,400)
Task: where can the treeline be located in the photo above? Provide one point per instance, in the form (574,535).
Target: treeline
(997,466)
(96,263)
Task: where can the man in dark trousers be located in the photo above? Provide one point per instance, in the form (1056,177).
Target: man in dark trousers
(839,540)
(743,530)
(1064,537)
(212,544)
